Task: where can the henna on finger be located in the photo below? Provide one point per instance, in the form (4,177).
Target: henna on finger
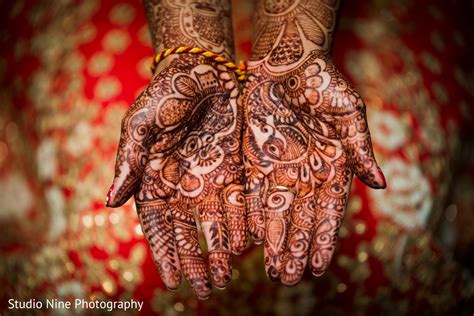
(295,257)
(156,221)
(190,254)
(212,218)
(255,210)
(331,201)
(234,208)
(277,211)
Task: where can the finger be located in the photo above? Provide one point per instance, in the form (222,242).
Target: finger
(355,136)
(331,201)
(136,132)
(189,251)
(253,201)
(234,208)
(346,109)
(156,222)
(212,218)
(277,210)
(295,257)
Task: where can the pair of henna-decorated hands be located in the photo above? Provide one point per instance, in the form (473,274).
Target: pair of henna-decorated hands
(298,127)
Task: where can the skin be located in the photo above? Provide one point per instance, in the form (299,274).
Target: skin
(180,152)
(305,128)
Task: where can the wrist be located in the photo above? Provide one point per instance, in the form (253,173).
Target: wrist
(286,33)
(199,24)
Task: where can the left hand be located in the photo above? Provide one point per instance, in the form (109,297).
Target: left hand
(305,134)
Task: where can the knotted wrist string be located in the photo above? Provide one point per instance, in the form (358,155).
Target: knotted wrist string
(239,70)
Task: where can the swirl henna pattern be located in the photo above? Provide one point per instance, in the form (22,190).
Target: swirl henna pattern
(304,129)
(180,155)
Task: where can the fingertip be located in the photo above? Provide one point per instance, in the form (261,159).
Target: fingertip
(273,274)
(111,198)
(375,178)
(289,283)
(238,247)
(109,193)
(257,239)
(121,190)
(171,289)
(220,266)
(221,287)
(171,281)
(318,272)
(320,262)
(383,182)
(202,289)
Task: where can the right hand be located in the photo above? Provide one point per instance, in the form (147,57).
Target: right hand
(180,155)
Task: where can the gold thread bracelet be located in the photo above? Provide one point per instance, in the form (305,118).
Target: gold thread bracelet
(238,69)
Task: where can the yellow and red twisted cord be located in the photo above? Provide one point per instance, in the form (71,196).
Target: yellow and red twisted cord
(238,69)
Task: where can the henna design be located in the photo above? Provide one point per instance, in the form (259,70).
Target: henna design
(286,30)
(191,23)
(156,221)
(180,151)
(234,208)
(305,128)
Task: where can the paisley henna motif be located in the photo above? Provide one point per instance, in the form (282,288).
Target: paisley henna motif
(305,129)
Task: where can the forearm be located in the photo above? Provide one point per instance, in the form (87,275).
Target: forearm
(198,24)
(285,30)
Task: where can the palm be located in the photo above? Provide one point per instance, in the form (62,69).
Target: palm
(179,151)
(306,130)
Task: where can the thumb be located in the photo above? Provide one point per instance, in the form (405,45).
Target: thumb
(354,133)
(132,154)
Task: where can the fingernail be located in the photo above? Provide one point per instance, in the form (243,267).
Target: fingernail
(107,198)
(273,274)
(318,272)
(383,182)
(172,289)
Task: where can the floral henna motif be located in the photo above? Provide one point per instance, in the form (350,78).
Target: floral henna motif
(305,129)
(180,155)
